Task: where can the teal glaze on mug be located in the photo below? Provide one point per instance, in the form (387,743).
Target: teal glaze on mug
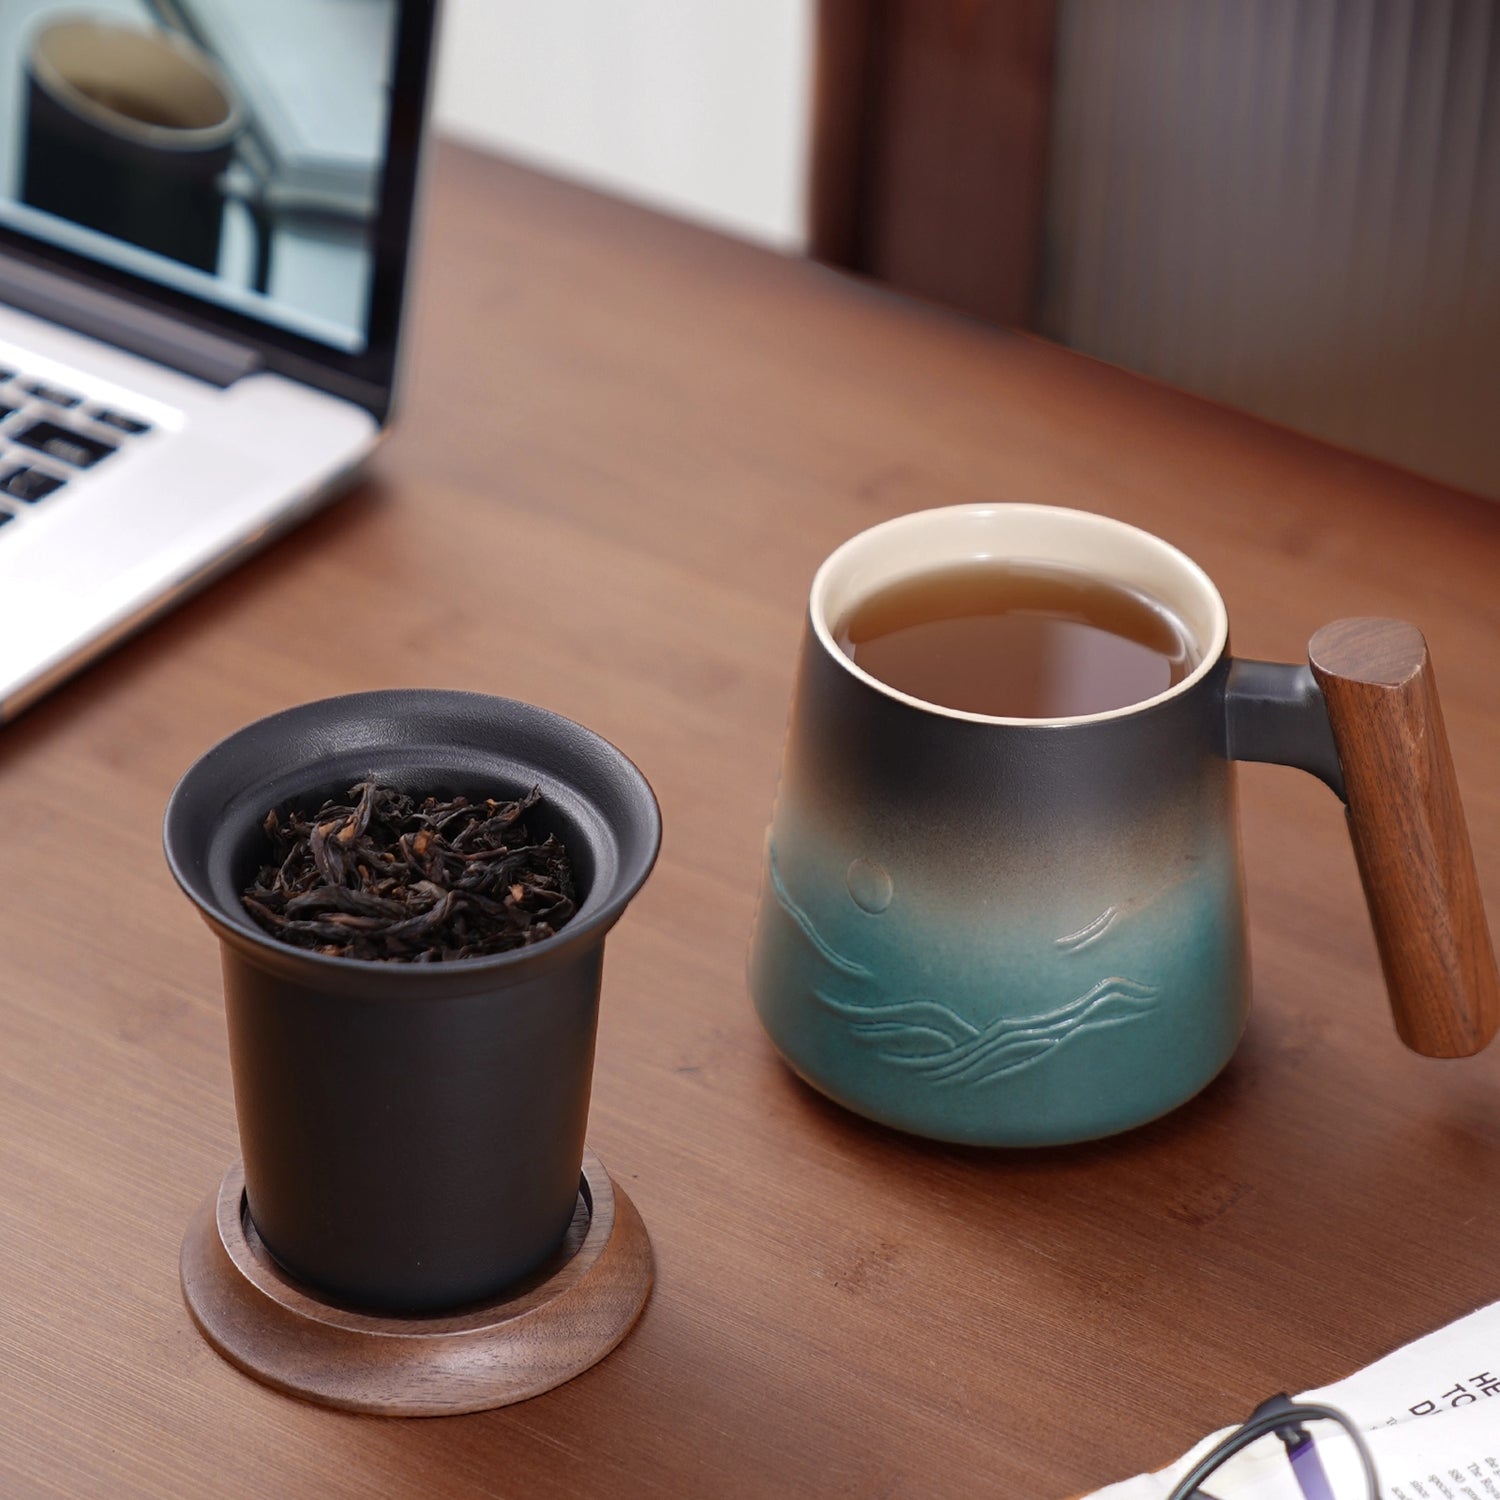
(1015,932)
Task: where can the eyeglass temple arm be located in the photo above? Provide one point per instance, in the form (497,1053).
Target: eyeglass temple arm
(1262,1423)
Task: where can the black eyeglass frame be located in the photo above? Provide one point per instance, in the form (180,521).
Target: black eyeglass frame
(1273,1416)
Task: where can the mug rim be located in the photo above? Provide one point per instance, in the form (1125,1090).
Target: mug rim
(1208,596)
(46,71)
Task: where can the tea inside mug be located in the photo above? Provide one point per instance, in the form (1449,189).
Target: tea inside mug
(1018,640)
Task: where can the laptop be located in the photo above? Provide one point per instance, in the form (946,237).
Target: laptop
(206,212)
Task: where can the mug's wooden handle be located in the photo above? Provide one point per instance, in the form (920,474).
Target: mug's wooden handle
(1409,835)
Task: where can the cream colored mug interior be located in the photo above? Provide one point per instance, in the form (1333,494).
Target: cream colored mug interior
(928,540)
(95,68)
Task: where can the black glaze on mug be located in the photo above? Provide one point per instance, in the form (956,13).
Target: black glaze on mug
(412,1133)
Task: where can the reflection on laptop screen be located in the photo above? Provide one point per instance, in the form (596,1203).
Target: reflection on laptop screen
(230,149)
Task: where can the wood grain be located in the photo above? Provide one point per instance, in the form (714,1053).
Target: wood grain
(625,447)
(1410,839)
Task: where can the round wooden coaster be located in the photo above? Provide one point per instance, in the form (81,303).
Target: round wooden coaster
(564,1318)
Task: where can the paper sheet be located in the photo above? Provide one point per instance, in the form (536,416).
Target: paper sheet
(1430,1414)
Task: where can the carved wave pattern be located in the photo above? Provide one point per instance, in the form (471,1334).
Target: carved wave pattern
(933,1040)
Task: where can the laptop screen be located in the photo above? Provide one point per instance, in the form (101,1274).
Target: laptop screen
(235,154)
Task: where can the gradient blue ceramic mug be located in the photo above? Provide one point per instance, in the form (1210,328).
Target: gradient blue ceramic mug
(1023,932)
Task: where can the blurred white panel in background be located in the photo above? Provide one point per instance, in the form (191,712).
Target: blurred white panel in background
(1292,206)
(698,108)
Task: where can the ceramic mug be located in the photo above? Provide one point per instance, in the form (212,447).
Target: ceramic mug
(1025,932)
(129,132)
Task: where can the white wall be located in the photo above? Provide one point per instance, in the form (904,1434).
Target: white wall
(699,107)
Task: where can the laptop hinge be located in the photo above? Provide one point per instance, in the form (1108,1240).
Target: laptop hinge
(205,356)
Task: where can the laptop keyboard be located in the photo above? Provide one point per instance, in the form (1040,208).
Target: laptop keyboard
(49,437)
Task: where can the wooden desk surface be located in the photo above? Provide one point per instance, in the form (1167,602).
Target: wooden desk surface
(625,446)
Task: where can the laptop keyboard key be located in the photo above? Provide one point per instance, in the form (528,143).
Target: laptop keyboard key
(5,516)
(75,448)
(30,484)
(118,420)
(6,409)
(50,393)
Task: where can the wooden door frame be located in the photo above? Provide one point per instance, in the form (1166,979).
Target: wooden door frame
(931,122)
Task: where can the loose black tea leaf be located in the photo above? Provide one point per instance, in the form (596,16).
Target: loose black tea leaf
(384,876)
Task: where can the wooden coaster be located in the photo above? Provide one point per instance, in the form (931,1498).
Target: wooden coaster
(562,1319)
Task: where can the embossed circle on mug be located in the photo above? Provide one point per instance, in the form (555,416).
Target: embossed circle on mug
(870,886)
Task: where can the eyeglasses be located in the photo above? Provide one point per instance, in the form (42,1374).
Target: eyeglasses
(1288,1450)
